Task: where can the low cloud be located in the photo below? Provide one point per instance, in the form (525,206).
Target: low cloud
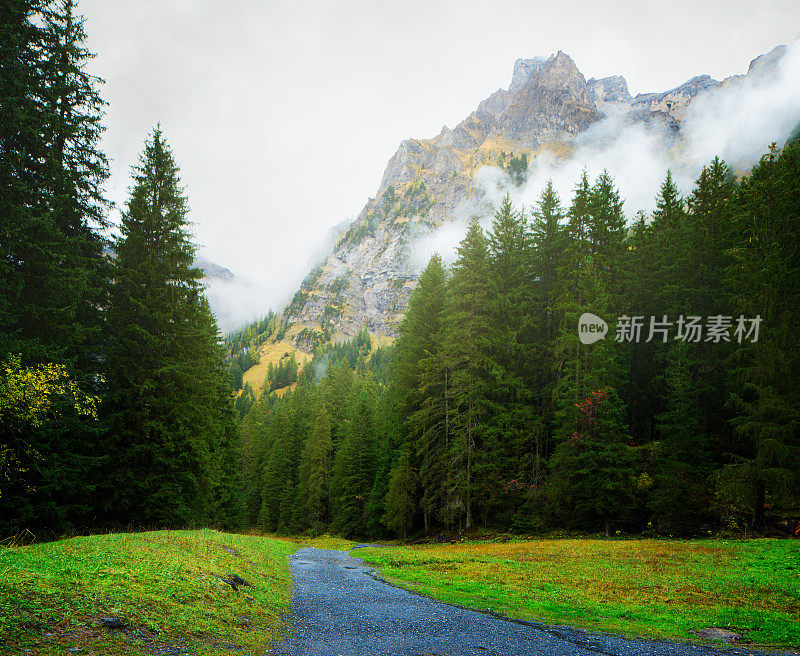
(237,302)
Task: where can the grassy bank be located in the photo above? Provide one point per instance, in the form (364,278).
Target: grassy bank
(648,588)
(323,542)
(166,585)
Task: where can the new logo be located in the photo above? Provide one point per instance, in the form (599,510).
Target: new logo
(591,328)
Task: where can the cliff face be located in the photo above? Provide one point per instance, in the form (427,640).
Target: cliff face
(368,276)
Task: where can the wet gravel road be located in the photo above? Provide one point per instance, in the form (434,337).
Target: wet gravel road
(340,610)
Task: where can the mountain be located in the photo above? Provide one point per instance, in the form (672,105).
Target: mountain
(213,271)
(370,272)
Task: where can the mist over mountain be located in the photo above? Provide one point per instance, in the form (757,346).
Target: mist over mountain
(550,123)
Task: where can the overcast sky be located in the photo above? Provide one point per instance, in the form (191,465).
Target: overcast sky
(283,115)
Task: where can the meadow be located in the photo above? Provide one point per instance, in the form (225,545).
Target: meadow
(167,587)
(642,588)
(172,589)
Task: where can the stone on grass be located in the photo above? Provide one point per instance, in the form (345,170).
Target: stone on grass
(715,633)
(112,622)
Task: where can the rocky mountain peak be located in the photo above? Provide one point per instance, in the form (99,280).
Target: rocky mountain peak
(673,103)
(368,277)
(559,73)
(523,70)
(768,61)
(609,89)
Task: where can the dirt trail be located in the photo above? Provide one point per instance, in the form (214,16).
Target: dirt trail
(340,610)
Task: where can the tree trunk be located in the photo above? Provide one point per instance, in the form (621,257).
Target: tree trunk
(608,526)
(468,495)
(758,507)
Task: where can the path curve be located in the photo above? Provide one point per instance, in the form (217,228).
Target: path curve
(340,609)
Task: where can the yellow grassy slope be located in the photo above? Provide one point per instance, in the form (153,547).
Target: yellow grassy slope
(272,353)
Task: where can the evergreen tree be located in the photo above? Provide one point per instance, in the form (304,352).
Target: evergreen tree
(681,497)
(606,232)
(355,465)
(421,383)
(276,475)
(337,386)
(244,401)
(514,352)
(655,288)
(764,277)
(53,270)
(549,243)
(588,276)
(668,248)
(594,470)
(400,505)
(467,344)
(709,235)
(314,473)
(23,196)
(169,408)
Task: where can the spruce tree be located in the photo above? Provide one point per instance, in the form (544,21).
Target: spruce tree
(588,277)
(594,469)
(764,279)
(54,280)
(276,475)
(314,473)
(606,232)
(467,344)
(514,351)
(421,383)
(399,515)
(549,243)
(680,498)
(709,235)
(643,361)
(23,198)
(355,464)
(169,408)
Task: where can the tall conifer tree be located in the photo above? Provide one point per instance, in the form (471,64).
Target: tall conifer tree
(54,279)
(169,412)
(468,352)
(422,385)
(514,353)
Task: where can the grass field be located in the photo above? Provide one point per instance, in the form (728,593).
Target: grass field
(272,353)
(324,542)
(646,588)
(163,584)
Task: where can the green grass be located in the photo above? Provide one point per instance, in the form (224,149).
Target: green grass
(162,583)
(328,542)
(644,588)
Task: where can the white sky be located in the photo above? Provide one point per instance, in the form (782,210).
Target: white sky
(283,115)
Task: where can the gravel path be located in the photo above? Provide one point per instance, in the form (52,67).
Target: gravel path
(340,610)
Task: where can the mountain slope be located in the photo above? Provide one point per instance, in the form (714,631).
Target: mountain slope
(368,276)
